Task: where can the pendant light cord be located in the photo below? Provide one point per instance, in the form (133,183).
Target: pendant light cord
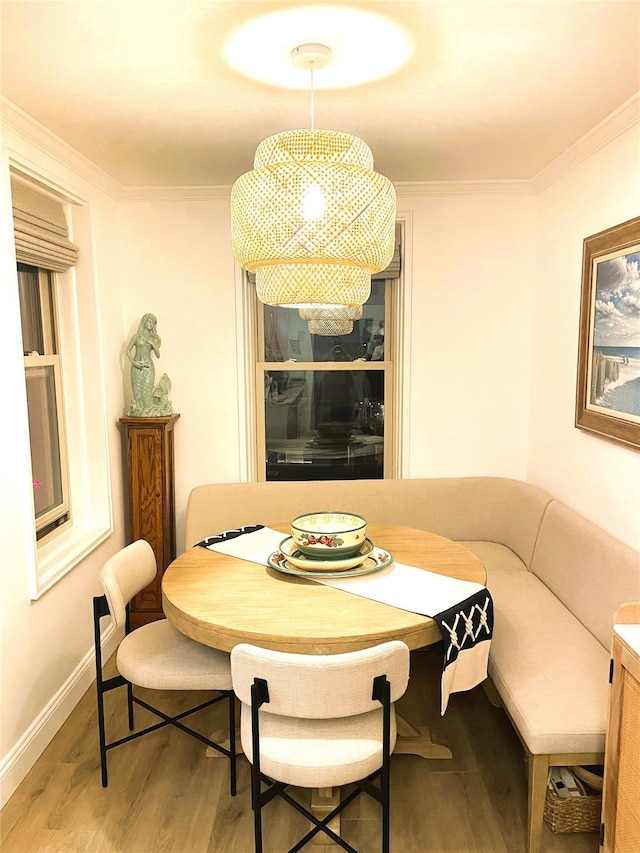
(312,105)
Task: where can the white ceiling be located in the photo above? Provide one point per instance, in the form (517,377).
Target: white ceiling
(494,90)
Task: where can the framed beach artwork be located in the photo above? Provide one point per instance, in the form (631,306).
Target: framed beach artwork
(608,391)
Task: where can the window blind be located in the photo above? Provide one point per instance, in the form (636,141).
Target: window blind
(393,270)
(40,229)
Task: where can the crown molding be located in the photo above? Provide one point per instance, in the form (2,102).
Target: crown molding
(47,143)
(172,193)
(615,124)
(441,188)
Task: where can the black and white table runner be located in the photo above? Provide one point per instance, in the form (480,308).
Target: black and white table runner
(463,610)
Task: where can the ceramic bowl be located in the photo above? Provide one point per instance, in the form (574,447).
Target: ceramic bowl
(329,535)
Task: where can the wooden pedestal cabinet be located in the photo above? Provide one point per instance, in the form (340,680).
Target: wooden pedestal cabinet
(150,475)
(620,831)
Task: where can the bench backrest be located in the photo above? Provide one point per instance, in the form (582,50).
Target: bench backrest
(589,570)
(490,509)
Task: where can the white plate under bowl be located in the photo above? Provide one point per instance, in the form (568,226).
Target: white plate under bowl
(301,561)
(377,560)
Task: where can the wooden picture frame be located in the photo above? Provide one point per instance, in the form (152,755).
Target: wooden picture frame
(608,385)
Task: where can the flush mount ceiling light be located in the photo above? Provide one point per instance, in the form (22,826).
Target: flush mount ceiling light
(313,220)
(261,47)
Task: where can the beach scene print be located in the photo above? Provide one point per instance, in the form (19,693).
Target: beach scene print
(615,355)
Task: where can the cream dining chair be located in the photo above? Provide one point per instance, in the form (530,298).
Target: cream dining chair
(155,656)
(319,721)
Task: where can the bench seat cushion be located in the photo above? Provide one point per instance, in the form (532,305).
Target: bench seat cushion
(495,557)
(550,671)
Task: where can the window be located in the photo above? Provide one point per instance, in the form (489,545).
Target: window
(44,399)
(269,367)
(63,409)
(325,403)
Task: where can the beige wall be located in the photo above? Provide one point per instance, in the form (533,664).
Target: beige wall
(597,477)
(492,344)
(472,281)
(46,644)
(177,262)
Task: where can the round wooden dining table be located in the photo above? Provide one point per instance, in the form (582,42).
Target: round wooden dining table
(221,601)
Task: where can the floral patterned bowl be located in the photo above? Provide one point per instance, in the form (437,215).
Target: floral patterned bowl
(329,535)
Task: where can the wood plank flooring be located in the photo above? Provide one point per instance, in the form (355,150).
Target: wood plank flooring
(164,794)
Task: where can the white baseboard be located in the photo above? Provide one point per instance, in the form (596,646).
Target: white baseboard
(24,754)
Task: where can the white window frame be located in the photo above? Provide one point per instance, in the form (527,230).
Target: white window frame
(34,363)
(387,367)
(87,434)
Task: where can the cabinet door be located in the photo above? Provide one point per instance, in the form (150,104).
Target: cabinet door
(621,804)
(150,468)
(146,510)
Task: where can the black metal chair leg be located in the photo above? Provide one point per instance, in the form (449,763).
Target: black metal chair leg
(259,695)
(385,826)
(232,742)
(130,705)
(103,739)
(100,608)
(257,828)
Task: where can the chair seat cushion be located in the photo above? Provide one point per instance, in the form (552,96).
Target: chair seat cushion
(317,753)
(160,657)
(551,672)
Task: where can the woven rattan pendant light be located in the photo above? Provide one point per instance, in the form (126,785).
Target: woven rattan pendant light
(329,312)
(313,220)
(330,327)
(330,319)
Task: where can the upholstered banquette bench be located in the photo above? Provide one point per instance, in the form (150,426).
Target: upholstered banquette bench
(556,580)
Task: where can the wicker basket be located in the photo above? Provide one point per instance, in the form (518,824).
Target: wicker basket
(575,814)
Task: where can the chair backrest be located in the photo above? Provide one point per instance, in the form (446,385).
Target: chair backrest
(125,574)
(320,686)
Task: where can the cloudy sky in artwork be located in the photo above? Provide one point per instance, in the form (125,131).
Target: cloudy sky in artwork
(617,307)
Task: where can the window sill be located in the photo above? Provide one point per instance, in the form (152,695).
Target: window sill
(55,559)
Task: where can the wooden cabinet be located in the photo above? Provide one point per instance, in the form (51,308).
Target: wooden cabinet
(151,497)
(620,832)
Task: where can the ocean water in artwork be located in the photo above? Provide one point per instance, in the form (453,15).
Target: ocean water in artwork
(616,379)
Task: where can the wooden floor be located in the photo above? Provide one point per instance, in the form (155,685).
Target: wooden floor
(164,794)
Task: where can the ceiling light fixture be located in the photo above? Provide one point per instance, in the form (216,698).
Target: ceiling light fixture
(330,319)
(330,328)
(260,48)
(326,312)
(312,219)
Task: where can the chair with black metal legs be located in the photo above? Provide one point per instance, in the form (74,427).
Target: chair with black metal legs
(155,656)
(319,721)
